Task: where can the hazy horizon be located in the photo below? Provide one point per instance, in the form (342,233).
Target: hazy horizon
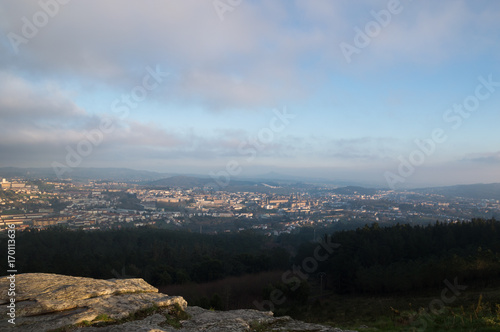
(401,93)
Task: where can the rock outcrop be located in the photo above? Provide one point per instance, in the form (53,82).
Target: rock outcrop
(46,302)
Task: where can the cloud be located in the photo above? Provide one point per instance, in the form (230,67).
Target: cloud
(424,33)
(265,54)
(121,39)
(21,98)
(365,149)
(259,55)
(483,158)
(220,91)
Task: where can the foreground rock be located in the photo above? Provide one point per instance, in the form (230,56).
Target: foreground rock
(47,302)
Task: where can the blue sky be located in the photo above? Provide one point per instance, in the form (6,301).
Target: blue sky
(229,66)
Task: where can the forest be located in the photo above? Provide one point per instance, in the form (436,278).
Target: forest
(404,258)
(159,256)
(373,260)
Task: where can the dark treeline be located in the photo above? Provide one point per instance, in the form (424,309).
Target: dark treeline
(372,259)
(161,257)
(405,258)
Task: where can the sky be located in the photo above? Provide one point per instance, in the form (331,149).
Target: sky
(395,93)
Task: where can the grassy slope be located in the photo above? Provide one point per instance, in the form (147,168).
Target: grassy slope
(473,310)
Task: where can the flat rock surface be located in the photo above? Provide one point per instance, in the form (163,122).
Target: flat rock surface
(46,302)
(245,320)
(49,301)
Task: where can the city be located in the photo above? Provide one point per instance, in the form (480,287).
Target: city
(276,209)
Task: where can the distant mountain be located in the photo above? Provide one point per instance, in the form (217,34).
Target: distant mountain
(9,172)
(475,191)
(286,178)
(183,181)
(234,185)
(180,181)
(83,174)
(272,182)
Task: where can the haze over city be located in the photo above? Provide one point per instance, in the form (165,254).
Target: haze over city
(393,93)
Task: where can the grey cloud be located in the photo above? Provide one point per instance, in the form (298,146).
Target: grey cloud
(365,148)
(111,42)
(483,158)
(21,98)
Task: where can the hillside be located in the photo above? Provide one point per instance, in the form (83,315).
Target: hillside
(231,185)
(83,174)
(475,191)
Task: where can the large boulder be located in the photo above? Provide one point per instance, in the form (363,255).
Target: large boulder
(49,301)
(46,302)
